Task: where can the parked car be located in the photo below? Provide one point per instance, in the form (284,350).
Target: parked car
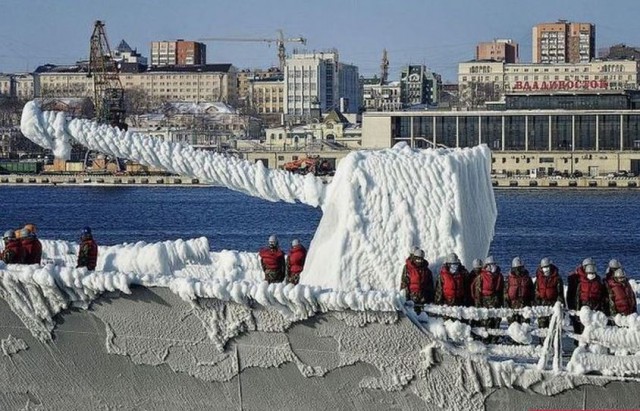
(576,174)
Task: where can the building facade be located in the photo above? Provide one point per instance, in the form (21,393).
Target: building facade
(480,82)
(382,97)
(246,76)
(266,98)
(178,53)
(209,83)
(499,50)
(594,142)
(563,42)
(318,81)
(125,54)
(419,86)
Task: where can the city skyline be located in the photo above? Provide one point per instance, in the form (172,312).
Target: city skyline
(413,32)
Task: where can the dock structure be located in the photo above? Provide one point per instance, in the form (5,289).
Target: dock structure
(59,179)
(582,182)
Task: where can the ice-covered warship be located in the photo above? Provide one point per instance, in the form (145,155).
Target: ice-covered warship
(172,325)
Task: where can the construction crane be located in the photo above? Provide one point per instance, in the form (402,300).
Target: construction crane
(279,42)
(108,96)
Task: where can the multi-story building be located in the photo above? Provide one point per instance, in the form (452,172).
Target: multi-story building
(480,82)
(319,81)
(266,97)
(499,50)
(419,86)
(621,52)
(125,54)
(208,83)
(25,86)
(596,136)
(563,42)
(178,53)
(6,85)
(246,76)
(381,97)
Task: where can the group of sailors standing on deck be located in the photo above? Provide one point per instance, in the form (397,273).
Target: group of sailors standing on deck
(484,286)
(277,266)
(22,246)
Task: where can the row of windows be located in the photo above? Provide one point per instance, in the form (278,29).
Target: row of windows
(546,77)
(562,132)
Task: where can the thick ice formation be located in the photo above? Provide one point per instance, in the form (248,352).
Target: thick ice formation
(379,204)
(54,131)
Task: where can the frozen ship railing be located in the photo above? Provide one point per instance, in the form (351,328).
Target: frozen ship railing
(607,346)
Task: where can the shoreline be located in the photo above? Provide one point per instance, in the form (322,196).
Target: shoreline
(68,180)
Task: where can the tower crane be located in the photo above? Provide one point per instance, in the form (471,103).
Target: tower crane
(279,42)
(108,94)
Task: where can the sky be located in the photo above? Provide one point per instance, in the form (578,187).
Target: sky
(437,33)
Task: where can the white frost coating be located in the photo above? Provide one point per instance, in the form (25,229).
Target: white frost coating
(141,258)
(380,203)
(52,130)
(520,333)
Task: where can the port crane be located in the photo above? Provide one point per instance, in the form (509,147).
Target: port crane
(280,41)
(108,93)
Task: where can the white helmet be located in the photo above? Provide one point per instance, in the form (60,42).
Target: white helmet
(418,253)
(477,263)
(9,234)
(295,242)
(273,240)
(489,260)
(516,262)
(545,262)
(452,259)
(614,264)
(587,262)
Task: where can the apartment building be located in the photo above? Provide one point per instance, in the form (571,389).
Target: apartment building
(178,53)
(266,97)
(419,86)
(563,42)
(499,50)
(319,81)
(246,76)
(211,82)
(381,97)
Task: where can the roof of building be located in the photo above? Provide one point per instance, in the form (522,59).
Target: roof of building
(180,107)
(212,68)
(335,116)
(124,47)
(79,67)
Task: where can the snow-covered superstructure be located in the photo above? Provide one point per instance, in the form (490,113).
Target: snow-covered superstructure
(379,205)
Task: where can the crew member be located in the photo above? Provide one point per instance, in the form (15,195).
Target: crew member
(88,250)
(12,253)
(614,264)
(488,292)
(451,288)
(519,289)
(549,288)
(573,282)
(31,246)
(473,274)
(591,293)
(622,299)
(417,280)
(295,262)
(272,260)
